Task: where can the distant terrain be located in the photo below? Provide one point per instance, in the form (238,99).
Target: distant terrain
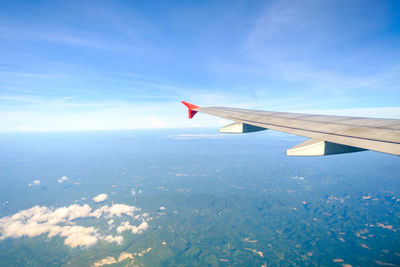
(192,198)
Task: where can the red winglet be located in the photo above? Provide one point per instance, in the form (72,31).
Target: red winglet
(190,109)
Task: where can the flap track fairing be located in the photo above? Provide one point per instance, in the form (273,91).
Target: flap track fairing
(240,127)
(315,147)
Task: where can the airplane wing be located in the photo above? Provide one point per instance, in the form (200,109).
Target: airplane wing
(329,134)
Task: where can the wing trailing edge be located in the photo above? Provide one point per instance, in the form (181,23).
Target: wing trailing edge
(329,134)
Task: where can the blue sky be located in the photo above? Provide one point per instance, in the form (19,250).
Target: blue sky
(77,65)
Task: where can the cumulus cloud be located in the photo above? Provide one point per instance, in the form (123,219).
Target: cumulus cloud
(111,260)
(39,220)
(125,255)
(100,197)
(76,236)
(62,179)
(134,229)
(115,210)
(35,182)
(116,239)
(61,222)
(119,209)
(105,261)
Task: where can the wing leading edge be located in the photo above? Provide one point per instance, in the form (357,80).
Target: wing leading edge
(329,134)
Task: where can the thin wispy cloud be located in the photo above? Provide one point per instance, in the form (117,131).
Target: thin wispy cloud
(196,136)
(121,61)
(308,50)
(23,35)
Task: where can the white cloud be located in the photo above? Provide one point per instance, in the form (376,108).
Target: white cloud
(124,227)
(35,182)
(76,236)
(134,229)
(114,239)
(115,210)
(100,197)
(61,222)
(62,179)
(111,260)
(120,209)
(78,211)
(105,261)
(40,220)
(125,255)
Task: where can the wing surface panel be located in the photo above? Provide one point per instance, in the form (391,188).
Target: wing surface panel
(381,135)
